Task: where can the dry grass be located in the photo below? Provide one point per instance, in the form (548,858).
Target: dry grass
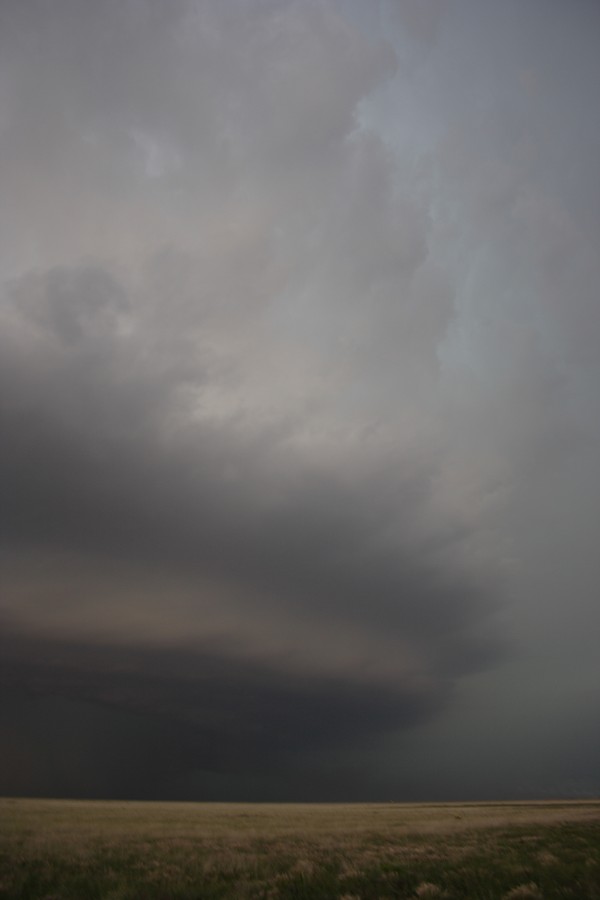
(156,851)
(525,892)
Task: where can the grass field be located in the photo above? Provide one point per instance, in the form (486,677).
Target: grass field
(55,849)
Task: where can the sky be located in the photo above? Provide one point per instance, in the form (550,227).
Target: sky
(300,399)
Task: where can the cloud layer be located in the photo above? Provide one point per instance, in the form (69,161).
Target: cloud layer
(291,389)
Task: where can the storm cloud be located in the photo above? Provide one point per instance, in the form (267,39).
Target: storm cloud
(298,393)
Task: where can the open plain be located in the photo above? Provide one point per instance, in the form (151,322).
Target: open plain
(54,849)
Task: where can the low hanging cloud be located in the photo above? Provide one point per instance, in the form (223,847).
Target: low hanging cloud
(221,572)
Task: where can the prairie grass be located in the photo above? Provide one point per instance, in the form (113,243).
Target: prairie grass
(70,850)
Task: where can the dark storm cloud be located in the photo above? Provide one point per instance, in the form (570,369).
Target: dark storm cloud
(297,383)
(235,715)
(90,477)
(100,456)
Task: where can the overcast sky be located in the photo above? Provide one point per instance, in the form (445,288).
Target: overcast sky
(300,397)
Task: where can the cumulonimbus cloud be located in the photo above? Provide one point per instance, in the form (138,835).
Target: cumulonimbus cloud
(263,449)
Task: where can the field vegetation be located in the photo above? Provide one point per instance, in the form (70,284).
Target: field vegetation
(83,850)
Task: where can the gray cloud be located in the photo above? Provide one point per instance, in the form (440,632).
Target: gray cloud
(111,485)
(297,385)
